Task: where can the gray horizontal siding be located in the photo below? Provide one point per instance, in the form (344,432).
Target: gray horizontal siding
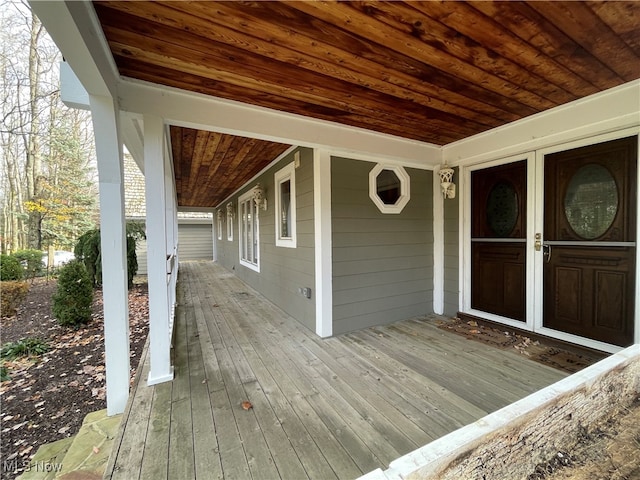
(282,270)
(382,263)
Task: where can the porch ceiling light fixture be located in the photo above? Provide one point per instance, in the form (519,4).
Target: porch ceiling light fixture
(259,197)
(446,182)
(230,210)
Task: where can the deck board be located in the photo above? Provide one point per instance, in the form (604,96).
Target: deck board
(322,408)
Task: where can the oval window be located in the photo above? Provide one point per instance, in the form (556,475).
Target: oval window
(591,201)
(502,209)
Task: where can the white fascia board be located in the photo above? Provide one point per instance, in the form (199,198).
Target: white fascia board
(74,27)
(614,109)
(194,110)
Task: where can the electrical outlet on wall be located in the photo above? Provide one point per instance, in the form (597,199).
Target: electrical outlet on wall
(305,292)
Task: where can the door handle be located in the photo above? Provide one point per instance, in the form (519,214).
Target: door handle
(546,251)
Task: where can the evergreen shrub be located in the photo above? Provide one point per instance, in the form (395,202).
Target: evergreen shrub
(31,261)
(10,268)
(74,295)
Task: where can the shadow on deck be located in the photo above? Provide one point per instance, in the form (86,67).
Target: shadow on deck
(320,408)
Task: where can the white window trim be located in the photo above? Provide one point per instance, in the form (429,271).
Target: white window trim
(229,223)
(248,196)
(281,176)
(405,188)
(219,224)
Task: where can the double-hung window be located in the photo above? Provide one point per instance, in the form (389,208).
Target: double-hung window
(285,183)
(249,231)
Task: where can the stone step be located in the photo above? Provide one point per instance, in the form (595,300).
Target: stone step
(48,460)
(85,456)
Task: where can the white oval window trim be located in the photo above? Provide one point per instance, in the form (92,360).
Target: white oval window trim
(405,182)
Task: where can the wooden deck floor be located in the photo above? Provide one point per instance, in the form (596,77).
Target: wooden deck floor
(322,409)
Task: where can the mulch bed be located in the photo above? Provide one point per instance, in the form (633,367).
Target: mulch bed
(567,359)
(48,396)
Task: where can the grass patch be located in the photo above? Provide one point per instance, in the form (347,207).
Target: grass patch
(26,347)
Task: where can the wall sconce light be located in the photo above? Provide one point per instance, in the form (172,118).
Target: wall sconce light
(446,182)
(230,210)
(259,197)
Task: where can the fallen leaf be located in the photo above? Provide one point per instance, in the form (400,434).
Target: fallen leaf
(247,405)
(473,323)
(64,429)
(474,331)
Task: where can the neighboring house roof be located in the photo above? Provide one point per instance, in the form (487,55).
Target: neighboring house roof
(134,194)
(134,200)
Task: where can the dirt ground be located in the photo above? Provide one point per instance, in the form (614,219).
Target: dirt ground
(48,397)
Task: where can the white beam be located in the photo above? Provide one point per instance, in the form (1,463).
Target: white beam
(159,302)
(75,29)
(204,112)
(105,117)
(438,246)
(614,109)
(323,245)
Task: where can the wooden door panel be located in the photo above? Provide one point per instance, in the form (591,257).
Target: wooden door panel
(589,278)
(498,276)
(498,224)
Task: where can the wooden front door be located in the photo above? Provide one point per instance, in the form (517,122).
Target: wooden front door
(498,243)
(589,241)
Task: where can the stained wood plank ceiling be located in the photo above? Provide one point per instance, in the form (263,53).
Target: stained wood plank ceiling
(431,71)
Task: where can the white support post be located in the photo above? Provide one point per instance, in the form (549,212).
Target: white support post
(323,242)
(438,246)
(105,115)
(159,313)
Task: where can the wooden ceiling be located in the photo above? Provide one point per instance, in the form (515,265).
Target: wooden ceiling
(210,166)
(431,71)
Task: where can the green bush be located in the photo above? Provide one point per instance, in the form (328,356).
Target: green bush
(13,294)
(4,374)
(88,250)
(10,268)
(31,261)
(24,347)
(74,296)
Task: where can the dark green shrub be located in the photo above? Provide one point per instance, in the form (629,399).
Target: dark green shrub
(31,261)
(25,347)
(10,268)
(88,250)
(4,374)
(73,298)
(12,295)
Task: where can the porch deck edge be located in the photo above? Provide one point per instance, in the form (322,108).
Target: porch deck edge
(108,473)
(431,460)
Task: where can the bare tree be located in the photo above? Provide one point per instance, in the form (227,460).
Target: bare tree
(33,123)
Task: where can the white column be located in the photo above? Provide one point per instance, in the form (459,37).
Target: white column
(323,242)
(105,116)
(438,246)
(159,313)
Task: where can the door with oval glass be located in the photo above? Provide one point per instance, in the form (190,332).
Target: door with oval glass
(498,240)
(589,241)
